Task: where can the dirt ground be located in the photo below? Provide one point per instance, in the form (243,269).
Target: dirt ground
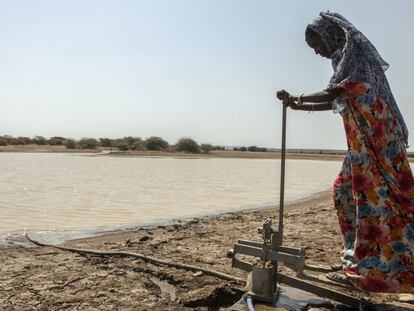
(44,278)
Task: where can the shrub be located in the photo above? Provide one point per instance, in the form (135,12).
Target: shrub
(25,140)
(187,145)
(131,141)
(39,140)
(262,149)
(252,148)
(134,143)
(155,143)
(88,143)
(243,148)
(105,142)
(8,138)
(70,143)
(3,142)
(57,141)
(138,145)
(206,148)
(17,141)
(123,147)
(117,142)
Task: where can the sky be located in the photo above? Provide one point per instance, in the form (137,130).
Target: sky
(184,68)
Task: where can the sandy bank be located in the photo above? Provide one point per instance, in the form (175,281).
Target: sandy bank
(44,149)
(229,154)
(213,154)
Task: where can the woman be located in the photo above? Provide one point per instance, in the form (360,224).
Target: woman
(374,191)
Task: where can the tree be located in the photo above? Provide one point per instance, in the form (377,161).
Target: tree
(123,147)
(70,143)
(243,148)
(8,138)
(88,143)
(187,144)
(134,143)
(130,140)
(252,148)
(206,148)
(3,141)
(57,141)
(39,140)
(155,143)
(118,142)
(17,141)
(105,142)
(138,145)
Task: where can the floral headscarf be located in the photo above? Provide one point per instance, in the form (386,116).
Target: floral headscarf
(355,59)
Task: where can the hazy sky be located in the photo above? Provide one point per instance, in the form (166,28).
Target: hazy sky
(205,69)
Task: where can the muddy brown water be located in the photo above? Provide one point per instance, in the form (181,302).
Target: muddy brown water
(64,192)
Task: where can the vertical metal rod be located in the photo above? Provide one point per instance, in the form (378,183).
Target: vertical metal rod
(282,175)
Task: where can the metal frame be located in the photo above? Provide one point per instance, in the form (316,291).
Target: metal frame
(270,252)
(265,276)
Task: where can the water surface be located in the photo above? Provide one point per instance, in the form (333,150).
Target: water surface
(72,192)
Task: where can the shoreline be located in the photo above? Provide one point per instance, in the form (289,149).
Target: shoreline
(321,156)
(11,239)
(163,154)
(229,155)
(50,279)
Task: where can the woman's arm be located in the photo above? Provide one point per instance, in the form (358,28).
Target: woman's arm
(321,101)
(320,97)
(311,107)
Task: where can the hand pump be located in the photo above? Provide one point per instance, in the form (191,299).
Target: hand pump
(265,276)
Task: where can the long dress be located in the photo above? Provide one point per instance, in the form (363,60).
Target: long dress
(374,196)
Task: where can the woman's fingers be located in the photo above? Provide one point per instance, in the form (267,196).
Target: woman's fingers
(282,94)
(286,99)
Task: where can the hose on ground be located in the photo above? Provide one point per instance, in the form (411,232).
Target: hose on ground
(149,259)
(249,302)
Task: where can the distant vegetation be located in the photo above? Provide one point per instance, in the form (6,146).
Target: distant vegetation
(251,149)
(153,143)
(187,145)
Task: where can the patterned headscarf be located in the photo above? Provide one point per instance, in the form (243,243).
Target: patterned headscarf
(355,59)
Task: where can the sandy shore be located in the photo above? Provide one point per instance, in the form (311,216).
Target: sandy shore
(44,149)
(213,154)
(44,278)
(230,154)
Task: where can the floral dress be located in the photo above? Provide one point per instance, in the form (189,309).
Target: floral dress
(374,196)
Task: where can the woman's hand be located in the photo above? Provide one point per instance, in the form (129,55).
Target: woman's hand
(282,95)
(287,99)
(321,101)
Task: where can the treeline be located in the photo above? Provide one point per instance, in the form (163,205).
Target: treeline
(153,143)
(37,140)
(251,149)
